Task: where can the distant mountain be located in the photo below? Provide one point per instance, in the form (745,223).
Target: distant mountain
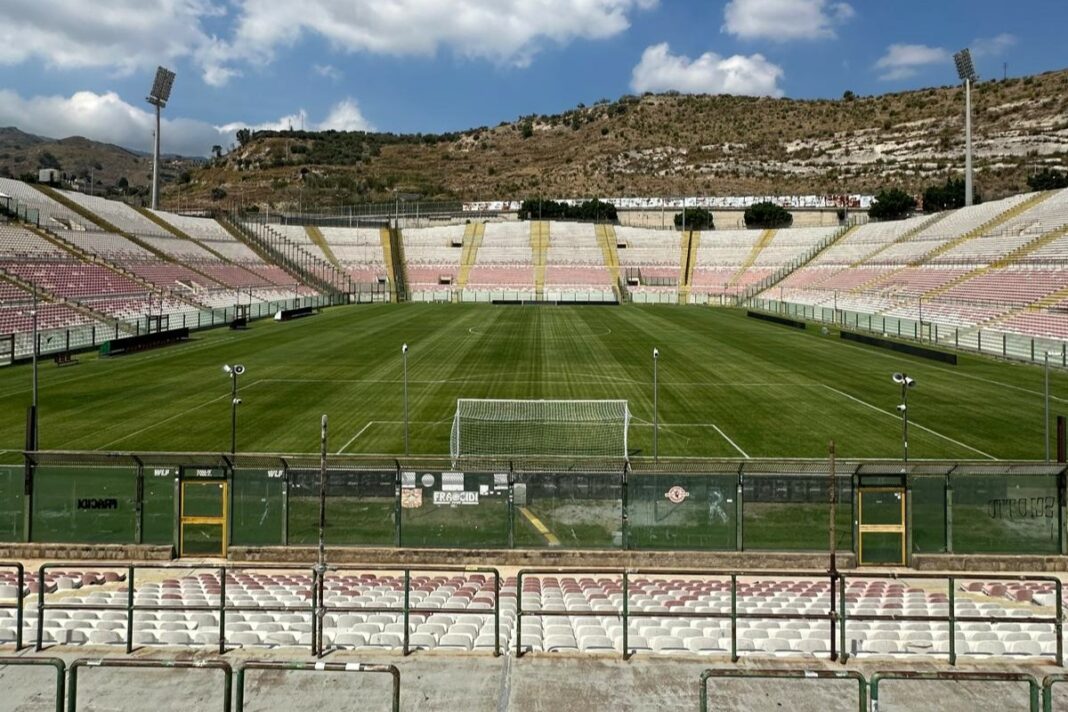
(24,153)
(666,144)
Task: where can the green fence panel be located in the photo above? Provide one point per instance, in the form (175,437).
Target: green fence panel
(785,513)
(454,509)
(96,505)
(682,511)
(574,511)
(360,508)
(928,514)
(12,501)
(257,499)
(1001,514)
(158,510)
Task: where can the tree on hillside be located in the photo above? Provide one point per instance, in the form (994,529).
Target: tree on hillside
(695,219)
(947,197)
(243,136)
(47,160)
(767,216)
(893,204)
(1048,180)
(217,150)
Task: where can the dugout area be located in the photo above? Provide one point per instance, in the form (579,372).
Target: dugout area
(213,505)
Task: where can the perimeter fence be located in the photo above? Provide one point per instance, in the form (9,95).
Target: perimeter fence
(204,503)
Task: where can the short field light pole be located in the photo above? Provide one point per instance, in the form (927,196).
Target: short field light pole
(906,384)
(656,409)
(404,357)
(233,371)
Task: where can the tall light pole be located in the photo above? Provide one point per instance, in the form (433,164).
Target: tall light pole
(1046,419)
(906,384)
(233,371)
(404,357)
(161,92)
(966,72)
(656,409)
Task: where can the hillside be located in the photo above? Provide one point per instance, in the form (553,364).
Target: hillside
(23,153)
(666,144)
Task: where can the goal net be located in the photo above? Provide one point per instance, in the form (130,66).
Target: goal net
(575,428)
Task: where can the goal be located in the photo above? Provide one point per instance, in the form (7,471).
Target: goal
(574,428)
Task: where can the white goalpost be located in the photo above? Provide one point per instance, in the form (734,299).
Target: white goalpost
(505,428)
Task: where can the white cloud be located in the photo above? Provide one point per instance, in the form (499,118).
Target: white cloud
(784,20)
(993,46)
(902,61)
(327,71)
(345,116)
(504,31)
(121,35)
(660,70)
(107,117)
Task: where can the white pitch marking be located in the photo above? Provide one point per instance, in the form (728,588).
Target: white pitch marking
(912,423)
(187,411)
(733,444)
(353,438)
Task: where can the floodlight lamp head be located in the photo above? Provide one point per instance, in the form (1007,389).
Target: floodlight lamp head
(910,382)
(656,353)
(901,408)
(239,369)
(227,368)
(161,87)
(404,349)
(965,66)
(898,378)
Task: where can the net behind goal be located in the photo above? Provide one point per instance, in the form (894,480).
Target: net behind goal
(506,428)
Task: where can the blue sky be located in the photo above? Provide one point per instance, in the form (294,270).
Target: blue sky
(75,67)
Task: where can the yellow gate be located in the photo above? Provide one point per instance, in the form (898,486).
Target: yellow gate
(204,525)
(881,526)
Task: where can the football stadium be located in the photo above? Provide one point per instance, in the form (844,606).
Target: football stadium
(748,451)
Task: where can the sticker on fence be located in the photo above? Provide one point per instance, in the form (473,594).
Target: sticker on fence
(453,498)
(677,495)
(411,498)
(452,481)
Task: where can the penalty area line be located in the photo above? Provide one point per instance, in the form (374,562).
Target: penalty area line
(911,422)
(353,438)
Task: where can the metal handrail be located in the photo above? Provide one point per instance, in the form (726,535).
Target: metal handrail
(390,670)
(57,663)
(862,684)
(407,610)
(953,676)
(72,689)
(19,605)
(734,615)
(952,618)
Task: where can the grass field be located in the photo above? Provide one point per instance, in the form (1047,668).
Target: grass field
(729,386)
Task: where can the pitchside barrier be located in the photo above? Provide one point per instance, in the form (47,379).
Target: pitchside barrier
(201,504)
(926,329)
(90,336)
(126,663)
(808,675)
(371,668)
(13,582)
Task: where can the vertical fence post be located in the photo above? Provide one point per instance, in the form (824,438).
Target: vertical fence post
(625,523)
(130,583)
(949,514)
(397,508)
(844,655)
(951,595)
(497,612)
(519,615)
(739,514)
(626,615)
(511,506)
(40,607)
(407,608)
(734,618)
(222,610)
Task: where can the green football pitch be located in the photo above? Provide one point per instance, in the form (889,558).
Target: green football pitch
(729,386)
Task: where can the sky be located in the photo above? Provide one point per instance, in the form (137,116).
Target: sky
(83,67)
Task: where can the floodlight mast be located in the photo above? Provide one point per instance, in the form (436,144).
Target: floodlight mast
(966,72)
(158,97)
